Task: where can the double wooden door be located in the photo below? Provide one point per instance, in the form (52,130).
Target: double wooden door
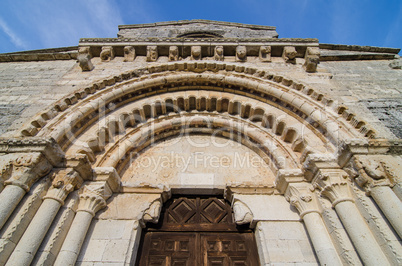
(197,231)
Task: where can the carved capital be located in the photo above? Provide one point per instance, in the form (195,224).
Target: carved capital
(218,53)
(129,53)
(64,182)
(24,169)
(301,196)
(241,53)
(152,53)
(152,213)
(93,197)
(371,172)
(107,53)
(242,213)
(173,53)
(196,52)
(265,53)
(333,184)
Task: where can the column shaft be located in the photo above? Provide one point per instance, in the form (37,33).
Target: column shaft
(361,236)
(9,199)
(321,239)
(390,205)
(75,237)
(36,231)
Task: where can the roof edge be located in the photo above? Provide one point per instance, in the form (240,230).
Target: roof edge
(359,48)
(184,22)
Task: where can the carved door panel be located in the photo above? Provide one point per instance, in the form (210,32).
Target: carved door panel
(228,249)
(197,231)
(162,248)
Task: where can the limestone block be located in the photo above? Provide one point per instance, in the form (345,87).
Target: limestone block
(129,53)
(269,207)
(292,246)
(116,251)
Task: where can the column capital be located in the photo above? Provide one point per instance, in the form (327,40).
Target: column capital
(302,196)
(64,182)
(371,171)
(93,197)
(333,184)
(24,169)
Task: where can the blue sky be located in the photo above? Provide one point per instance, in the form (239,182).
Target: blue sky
(39,24)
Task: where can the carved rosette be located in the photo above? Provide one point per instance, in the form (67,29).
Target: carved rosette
(93,197)
(64,182)
(242,213)
(25,169)
(333,184)
(302,197)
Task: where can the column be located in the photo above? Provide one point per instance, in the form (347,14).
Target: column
(390,205)
(300,196)
(333,184)
(23,171)
(64,182)
(92,199)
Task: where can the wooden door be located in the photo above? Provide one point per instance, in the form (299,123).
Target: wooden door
(197,231)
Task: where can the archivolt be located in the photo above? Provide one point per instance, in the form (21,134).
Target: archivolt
(302,103)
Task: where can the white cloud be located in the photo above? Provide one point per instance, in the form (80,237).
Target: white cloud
(14,38)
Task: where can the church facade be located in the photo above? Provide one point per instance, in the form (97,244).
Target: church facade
(201,143)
